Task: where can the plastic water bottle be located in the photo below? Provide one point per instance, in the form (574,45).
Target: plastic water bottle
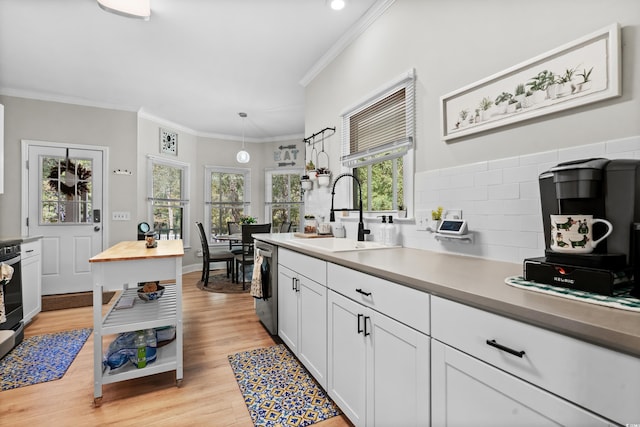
(141,346)
(151,343)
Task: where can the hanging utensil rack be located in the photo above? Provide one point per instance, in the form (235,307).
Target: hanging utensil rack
(311,139)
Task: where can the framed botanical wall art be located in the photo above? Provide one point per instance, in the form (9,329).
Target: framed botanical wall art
(581,72)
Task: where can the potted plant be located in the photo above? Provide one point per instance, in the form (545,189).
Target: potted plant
(564,82)
(485,104)
(585,84)
(519,93)
(436,217)
(402,213)
(324,177)
(311,170)
(306,182)
(538,86)
(512,104)
(464,117)
(247,220)
(502,101)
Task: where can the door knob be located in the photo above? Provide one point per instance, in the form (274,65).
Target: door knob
(96,228)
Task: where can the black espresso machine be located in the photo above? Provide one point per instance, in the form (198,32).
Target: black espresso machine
(607,189)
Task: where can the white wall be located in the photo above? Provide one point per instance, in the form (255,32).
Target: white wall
(452,43)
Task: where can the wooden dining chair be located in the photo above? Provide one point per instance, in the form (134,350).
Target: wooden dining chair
(234,228)
(216,256)
(245,258)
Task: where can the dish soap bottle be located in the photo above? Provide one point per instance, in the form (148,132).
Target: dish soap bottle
(380,233)
(390,233)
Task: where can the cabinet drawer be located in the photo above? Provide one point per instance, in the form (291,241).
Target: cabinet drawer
(310,267)
(399,302)
(30,249)
(601,380)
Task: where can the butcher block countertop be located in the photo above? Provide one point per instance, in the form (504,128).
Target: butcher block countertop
(137,249)
(480,283)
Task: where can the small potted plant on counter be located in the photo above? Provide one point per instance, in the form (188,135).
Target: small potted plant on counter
(436,217)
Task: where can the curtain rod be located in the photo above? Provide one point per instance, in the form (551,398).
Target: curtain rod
(308,139)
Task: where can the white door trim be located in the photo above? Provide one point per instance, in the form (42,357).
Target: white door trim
(24,212)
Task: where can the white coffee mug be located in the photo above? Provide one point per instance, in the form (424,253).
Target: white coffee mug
(572,233)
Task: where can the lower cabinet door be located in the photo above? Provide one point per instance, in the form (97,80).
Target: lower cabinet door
(347,357)
(287,308)
(468,392)
(312,339)
(398,374)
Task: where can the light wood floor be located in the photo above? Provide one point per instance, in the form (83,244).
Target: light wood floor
(215,325)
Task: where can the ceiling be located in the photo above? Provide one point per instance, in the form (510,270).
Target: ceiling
(195,64)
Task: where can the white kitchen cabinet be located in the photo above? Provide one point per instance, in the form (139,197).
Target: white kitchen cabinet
(31,263)
(468,392)
(514,373)
(302,310)
(378,367)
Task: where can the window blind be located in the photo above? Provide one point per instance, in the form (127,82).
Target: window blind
(382,128)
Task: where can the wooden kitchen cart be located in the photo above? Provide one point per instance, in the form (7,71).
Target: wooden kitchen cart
(121,268)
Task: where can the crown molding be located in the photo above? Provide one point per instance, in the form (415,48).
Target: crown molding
(44,96)
(343,42)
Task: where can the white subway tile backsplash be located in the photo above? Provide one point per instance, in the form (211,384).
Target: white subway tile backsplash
(491,177)
(536,159)
(500,199)
(520,174)
(530,190)
(461,181)
(504,191)
(465,169)
(624,145)
(509,162)
(582,152)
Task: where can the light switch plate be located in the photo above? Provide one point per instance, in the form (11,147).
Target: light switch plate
(121,216)
(422,220)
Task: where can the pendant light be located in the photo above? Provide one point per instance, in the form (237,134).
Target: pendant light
(139,9)
(243,155)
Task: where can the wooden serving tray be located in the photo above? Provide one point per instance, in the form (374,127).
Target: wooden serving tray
(311,235)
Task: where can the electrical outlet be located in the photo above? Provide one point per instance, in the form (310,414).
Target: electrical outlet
(121,216)
(422,220)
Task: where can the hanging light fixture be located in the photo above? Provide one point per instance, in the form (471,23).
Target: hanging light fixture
(243,155)
(139,9)
(337,4)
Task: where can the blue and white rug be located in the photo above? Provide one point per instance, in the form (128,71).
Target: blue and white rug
(278,390)
(41,358)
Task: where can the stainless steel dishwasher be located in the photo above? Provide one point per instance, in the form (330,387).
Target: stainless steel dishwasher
(267,306)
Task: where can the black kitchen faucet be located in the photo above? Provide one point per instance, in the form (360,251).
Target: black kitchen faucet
(332,217)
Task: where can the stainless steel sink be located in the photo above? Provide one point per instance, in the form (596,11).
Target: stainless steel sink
(332,244)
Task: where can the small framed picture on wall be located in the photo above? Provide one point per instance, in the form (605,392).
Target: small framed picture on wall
(168,142)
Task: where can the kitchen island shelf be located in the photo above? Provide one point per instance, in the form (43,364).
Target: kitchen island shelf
(122,267)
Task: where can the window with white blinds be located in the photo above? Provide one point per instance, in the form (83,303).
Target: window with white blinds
(382,127)
(377,142)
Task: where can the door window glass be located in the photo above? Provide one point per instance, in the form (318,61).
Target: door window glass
(66,190)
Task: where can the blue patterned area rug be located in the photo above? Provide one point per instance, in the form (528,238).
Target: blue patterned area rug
(278,390)
(41,358)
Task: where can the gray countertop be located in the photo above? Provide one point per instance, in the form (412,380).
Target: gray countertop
(480,283)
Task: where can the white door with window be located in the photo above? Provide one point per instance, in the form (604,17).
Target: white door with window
(65,198)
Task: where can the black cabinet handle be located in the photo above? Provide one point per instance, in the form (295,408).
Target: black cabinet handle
(293,283)
(360,330)
(366,294)
(365,326)
(297,285)
(493,343)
